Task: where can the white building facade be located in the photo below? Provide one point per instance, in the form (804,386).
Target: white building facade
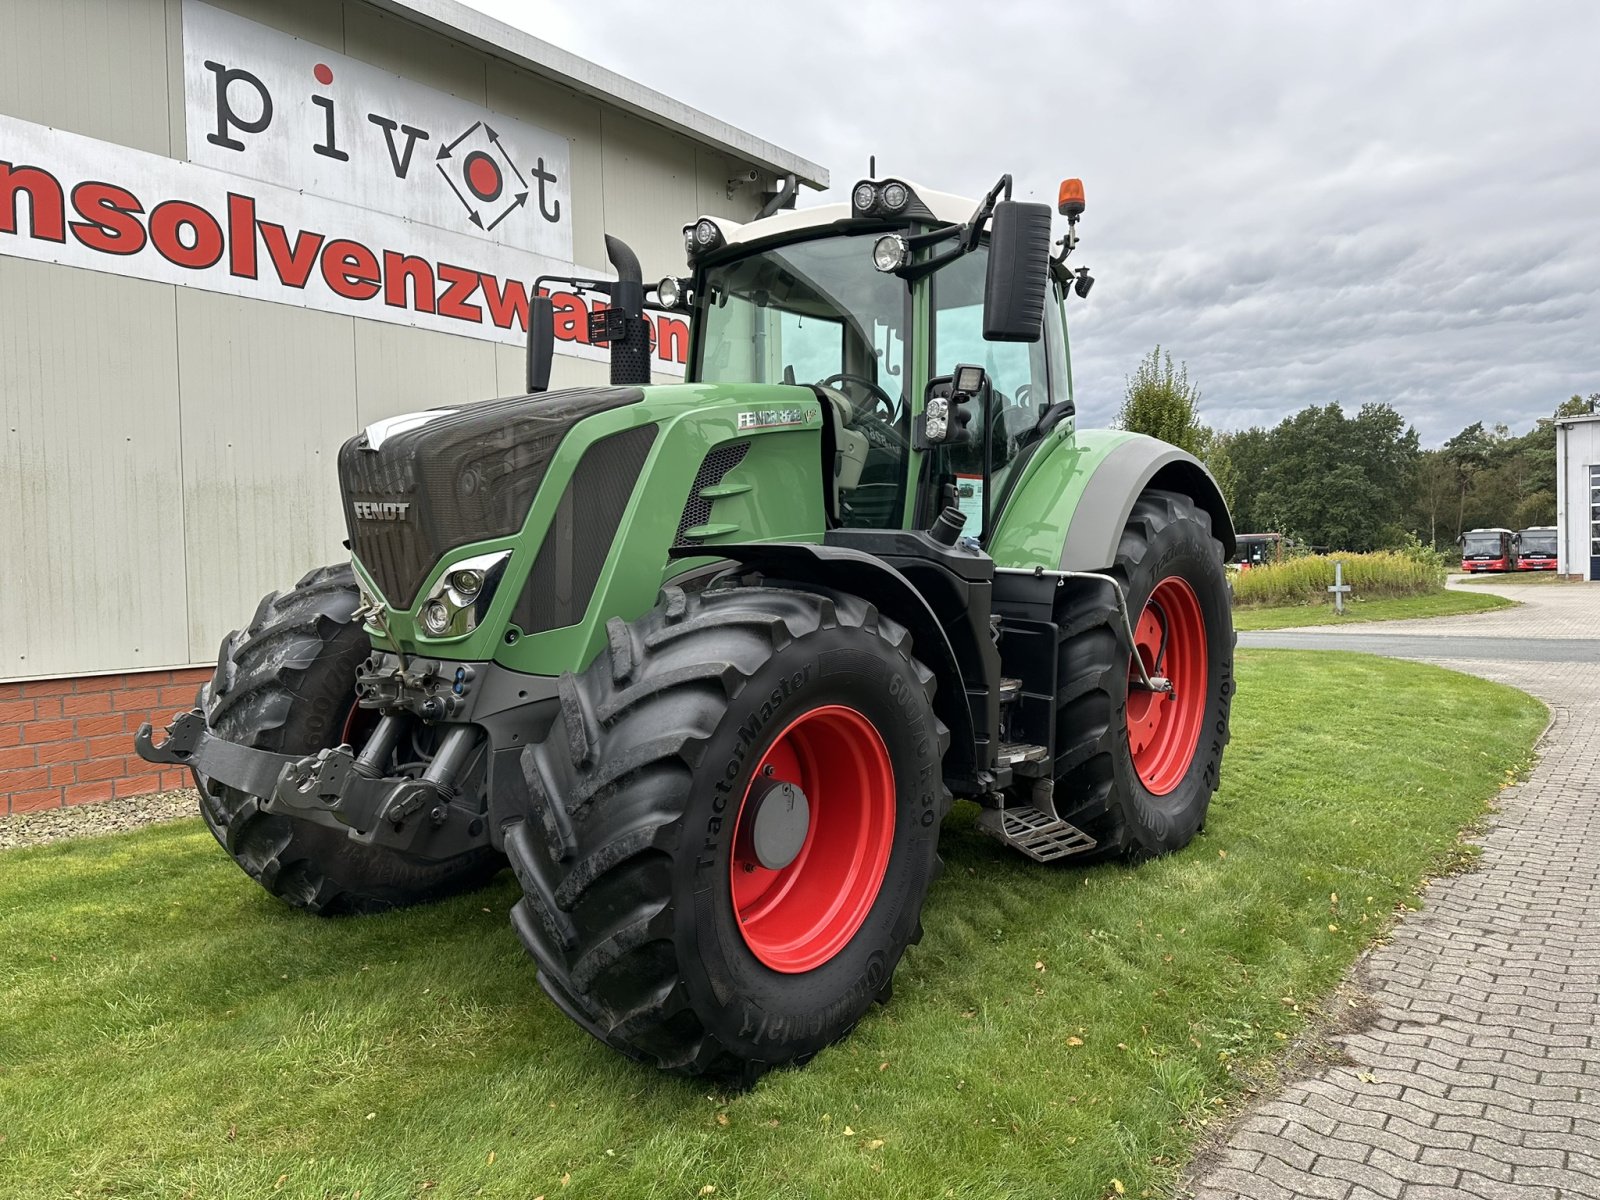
(234,232)
(1578,496)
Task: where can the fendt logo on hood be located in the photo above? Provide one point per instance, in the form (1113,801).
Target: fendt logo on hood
(381,510)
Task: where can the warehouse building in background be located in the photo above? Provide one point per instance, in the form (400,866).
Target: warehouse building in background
(231,235)
(1578,496)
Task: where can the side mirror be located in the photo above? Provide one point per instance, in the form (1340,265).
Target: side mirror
(541,342)
(1019,272)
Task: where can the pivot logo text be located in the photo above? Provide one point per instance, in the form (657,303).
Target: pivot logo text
(287,111)
(474,163)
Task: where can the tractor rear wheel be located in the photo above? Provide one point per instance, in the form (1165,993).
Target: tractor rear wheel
(732,828)
(287,684)
(1137,768)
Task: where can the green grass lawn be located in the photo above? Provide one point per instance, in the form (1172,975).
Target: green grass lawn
(1434,604)
(171,1031)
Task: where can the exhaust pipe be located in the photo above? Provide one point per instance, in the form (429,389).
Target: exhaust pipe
(621,323)
(630,347)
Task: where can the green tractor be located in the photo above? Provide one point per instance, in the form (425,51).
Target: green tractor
(708,662)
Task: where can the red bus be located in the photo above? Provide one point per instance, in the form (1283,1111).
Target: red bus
(1536,548)
(1487,550)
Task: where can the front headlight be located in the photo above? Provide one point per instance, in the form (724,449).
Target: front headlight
(436,618)
(460,600)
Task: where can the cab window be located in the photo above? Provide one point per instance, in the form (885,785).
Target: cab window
(816,313)
(1019,379)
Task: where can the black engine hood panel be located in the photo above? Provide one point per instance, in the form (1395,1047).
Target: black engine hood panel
(457,479)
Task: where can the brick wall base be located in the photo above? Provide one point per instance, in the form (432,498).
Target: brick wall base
(70,741)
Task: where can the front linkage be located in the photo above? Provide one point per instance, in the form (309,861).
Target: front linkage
(429,815)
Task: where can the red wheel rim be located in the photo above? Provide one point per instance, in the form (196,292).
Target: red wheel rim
(1163,730)
(797,918)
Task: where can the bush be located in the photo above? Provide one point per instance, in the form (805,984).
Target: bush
(1408,572)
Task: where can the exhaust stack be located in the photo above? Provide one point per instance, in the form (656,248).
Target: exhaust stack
(625,326)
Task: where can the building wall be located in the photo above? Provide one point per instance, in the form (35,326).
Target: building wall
(167,454)
(1578,498)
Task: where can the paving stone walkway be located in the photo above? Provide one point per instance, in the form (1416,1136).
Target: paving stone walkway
(1480,1074)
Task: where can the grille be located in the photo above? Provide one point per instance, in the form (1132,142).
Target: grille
(578,542)
(465,477)
(697,509)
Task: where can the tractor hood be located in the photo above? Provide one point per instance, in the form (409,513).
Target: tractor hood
(420,485)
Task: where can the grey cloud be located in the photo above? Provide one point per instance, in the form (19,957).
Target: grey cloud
(1344,202)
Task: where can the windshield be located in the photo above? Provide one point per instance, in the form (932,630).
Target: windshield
(1539,543)
(807,313)
(1485,545)
(818,313)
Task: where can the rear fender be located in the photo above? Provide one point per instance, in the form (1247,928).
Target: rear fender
(1068,511)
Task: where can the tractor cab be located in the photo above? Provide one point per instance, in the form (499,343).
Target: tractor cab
(876,306)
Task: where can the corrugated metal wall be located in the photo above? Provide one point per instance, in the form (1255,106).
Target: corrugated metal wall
(166,455)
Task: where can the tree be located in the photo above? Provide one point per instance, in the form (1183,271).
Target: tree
(1217,454)
(1339,482)
(1161,402)
(1249,453)
(1435,496)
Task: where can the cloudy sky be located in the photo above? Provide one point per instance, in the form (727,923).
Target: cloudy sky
(1305,202)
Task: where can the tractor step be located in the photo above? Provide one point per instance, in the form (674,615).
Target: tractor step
(1010,689)
(1014,753)
(1038,835)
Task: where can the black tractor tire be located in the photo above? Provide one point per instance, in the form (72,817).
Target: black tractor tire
(1099,787)
(626,855)
(286,683)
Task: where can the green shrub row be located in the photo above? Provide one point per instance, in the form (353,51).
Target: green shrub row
(1306,580)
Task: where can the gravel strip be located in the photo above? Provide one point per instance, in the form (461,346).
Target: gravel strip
(87,820)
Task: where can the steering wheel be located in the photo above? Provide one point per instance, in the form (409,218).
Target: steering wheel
(881,397)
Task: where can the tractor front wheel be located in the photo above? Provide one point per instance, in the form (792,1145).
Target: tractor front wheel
(287,683)
(1139,767)
(732,828)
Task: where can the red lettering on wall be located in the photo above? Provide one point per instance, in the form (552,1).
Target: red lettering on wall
(571,317)
(109,224)
(241,236)
(350,269)
(672,339)
(46,207)
(293,266)
(397,269)
(454,301)
(507,306)
(169,219)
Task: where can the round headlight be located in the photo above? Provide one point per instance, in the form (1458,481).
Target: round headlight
(890,252)
(895,196)
(669,292)
(467,583)
(866,196)
(435,617)
(706,231)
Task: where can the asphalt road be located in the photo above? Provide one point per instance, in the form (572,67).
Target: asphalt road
(1552,623)
(1400,645)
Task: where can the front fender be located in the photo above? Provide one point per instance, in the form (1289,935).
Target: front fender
(1068,510)
(881,585)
